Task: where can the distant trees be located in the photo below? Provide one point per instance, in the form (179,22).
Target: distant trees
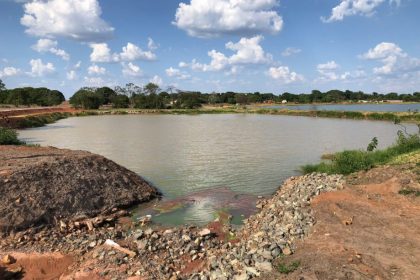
(2,85)
(30,96)
(151,96)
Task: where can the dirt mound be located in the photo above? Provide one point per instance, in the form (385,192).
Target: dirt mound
(366,231)
(43,185)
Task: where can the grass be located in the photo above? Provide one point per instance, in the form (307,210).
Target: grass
(40,120)
(352,161)
(288,268)
(9,137)
(410,192)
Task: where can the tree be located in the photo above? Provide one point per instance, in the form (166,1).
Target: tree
(151,88)
(2,85)
(86,99)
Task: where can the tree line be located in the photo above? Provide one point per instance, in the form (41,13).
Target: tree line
(26,96)
(152,97)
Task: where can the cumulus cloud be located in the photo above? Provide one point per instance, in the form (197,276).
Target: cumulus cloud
(329,71)
(74,19)
(131,70)
(284,75)
(211,18)
(9,72)
(94,81)
(247,51)
(355,7)
(156,80)
(394,60)
(151,45)
(176,73)
(96,70)
(48,45)
(291,51)
(71,75)
(39,69)
(102,53)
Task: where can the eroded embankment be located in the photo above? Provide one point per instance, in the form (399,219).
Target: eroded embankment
(315,227)
(43,185)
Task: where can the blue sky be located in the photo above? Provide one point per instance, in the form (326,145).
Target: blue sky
(212,45)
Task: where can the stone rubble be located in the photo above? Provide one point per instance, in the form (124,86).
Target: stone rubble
(192,252)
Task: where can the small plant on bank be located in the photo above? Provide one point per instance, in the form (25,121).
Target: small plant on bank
(9,137)
(286,269)
(372,145)
(409,192)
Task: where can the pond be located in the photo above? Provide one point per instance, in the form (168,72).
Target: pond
(204,164)
(405,107)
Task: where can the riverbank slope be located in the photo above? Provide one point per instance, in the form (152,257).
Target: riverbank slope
(317,226)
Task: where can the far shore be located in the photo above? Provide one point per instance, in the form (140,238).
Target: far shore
(37,117)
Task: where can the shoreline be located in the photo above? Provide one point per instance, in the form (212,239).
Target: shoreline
(270,241)
(39,120)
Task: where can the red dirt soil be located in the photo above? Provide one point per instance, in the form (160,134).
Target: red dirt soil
(39,266)
(366,231)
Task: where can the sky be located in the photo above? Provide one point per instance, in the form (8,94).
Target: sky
(212,45)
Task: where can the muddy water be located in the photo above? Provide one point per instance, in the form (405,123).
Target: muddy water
(204,159)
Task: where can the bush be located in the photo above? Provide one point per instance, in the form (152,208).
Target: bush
(9,137)
(352,161)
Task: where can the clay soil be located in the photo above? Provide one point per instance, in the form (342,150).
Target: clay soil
(366,231)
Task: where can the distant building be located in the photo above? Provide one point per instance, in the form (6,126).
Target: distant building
(284,101)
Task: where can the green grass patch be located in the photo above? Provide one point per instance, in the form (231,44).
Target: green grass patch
(9,137)
(288,268)
(410,192)
(41,120)
(352,161)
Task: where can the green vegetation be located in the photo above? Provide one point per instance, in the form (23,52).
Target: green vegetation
(40,120)
(30,96)
(409,192)
(152,97)
(9,137)
(288,268)
(351,161)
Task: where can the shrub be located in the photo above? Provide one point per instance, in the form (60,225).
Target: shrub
(9,137)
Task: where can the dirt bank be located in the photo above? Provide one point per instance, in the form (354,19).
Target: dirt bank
(41,186)
(315,227)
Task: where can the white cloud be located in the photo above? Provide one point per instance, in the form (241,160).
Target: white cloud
(176,73)
(48,45)
(151,45)
(247,51)
(394,60)
(75,19)
(284,75)
(71,75)
(131,70)
(96,70)
(356,7)
(39,69)
(94,81)
(9,72)
(291,51)
(329,71)
(156,80)
(102,53)
(132,52)
(210,18)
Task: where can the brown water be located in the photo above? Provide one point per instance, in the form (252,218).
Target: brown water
(183,154)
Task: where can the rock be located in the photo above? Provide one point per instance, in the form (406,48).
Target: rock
(204,232)
(92,244)
(275,252)
(287,251)
(252,270)
(264,266)
(242,276)
(8,259)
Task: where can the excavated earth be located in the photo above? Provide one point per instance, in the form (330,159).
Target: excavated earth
(43,185)
(315,226)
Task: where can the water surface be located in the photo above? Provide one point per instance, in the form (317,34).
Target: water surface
(405,107)
(199,157)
